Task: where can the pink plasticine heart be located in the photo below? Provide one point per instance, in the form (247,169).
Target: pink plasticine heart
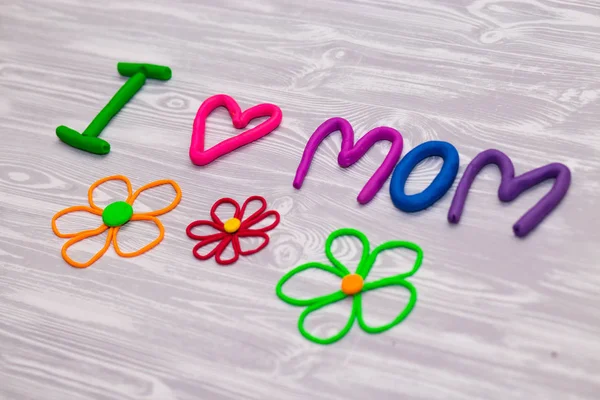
(240,119)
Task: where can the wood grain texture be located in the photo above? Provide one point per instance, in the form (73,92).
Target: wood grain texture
(497,317)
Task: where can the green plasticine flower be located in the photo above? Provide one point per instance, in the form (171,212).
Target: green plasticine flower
(352,285)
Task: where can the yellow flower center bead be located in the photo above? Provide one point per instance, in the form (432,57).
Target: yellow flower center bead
(232,225)
(352,284)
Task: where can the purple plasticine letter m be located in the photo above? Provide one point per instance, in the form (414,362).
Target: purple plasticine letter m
(351,153)
(511,188)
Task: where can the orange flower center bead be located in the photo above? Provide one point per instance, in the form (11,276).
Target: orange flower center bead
(117,214)
(232,225)
(352,284)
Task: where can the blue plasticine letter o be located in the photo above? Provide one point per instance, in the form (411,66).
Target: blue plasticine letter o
(440,185)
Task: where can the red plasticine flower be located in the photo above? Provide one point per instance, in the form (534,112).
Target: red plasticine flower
(231,230)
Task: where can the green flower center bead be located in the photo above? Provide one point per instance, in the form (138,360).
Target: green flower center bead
(117,214)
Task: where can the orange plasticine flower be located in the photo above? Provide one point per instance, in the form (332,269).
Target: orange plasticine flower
(114,216)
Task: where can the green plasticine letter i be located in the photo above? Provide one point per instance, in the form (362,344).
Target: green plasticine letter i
(89,140)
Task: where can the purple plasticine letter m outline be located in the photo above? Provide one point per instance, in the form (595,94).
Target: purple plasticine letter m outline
(351,153)
(511,188)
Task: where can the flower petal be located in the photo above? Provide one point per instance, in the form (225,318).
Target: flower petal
(138,217)
(251,222)
(305,302)
(226,200)
(394,244)
(195,224)
(230,239)
(96,184)
(255,214)
(205,242)
(334,298)
(399,318)
(348,252)
(154,184)
(70,210)
(85,235)
(252,234)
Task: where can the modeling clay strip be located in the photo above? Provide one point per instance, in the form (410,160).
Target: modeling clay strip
(440,185)
(350,153)
(200,156)
(511,187)
(89,140)
(352,283)
(234,228)
(114,216)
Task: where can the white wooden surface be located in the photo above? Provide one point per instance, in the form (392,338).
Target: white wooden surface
(497,317)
